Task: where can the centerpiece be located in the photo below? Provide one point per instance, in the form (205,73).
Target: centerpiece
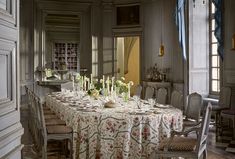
(124,88)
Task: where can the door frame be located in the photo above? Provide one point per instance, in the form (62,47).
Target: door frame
(126,32)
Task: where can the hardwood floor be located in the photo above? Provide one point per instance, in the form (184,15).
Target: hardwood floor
(216,150)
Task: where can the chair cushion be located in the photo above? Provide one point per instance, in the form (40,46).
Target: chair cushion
(179,144)
(59,129)
(54,122)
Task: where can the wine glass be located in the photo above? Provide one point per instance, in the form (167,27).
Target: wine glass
(137,101)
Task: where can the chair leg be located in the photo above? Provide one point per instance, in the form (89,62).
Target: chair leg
(217,124)
(44,151)
(71,148)
(205,154)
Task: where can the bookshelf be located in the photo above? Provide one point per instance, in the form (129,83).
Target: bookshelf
(65,56)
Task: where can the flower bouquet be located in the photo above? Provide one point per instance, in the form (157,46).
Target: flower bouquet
(123,88)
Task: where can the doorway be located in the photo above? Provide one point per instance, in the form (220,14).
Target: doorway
(127,55)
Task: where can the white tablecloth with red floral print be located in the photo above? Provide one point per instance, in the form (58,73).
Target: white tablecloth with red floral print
(120,132)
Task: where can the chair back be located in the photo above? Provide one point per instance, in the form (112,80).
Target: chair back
(67,85)
(161,95)
(138,90)
(177,100)
(225,97)
(42,120)
(149,92)
(194,106)
(204,130)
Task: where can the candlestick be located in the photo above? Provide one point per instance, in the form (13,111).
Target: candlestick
(91,80)
(129,90)
(103,83)
(81,84)
(108,84)
(88,85)
(73,83)
(85,83)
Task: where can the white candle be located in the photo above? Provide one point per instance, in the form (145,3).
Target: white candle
(91,79)
(108,84)
(73,83)
(103,83)
(85,83)
(129,90)
(81,82)
(112,84)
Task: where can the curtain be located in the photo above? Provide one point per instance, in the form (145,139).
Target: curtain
(180,23)
(218,26)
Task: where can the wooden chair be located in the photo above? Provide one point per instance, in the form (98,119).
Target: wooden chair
(193,110)
(187,147)
(149,92)
(161,96)
(53,132)
(34,125)
(177,100)
(223,104)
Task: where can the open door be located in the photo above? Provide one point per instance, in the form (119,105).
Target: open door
(10,126)
(127,59)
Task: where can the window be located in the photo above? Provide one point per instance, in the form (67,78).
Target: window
(214,56)
(95,56)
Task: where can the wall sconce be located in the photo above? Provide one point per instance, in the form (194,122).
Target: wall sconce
(233,42)
(161,50)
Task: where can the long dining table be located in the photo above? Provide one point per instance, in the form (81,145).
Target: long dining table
(123,129)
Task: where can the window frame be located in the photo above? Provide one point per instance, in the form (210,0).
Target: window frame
(211,32)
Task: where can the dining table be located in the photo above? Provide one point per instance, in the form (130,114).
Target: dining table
(111,127)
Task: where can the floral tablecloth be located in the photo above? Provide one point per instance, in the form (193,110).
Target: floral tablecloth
(120,132)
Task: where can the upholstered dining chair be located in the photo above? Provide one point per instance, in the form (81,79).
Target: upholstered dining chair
(138,90)
(223,104)
(161,96)
(149,92)
(187,147)
(177,100)
(193,110)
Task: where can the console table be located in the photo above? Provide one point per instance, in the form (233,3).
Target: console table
(158,85)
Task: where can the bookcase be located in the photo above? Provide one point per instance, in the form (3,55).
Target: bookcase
(65,56)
